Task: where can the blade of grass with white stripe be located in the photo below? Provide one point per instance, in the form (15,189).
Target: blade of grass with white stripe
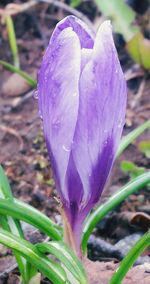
(101,211)
(24,212)
(130,259)
(47,267)
(128,139)
(12,225)
(67,257)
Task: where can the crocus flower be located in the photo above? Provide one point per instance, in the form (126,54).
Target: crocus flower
(82,100)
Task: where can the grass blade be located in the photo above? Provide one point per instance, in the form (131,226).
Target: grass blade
(12,40)
(101,211)
(128,139)
(31,82)
(130,258)
(49,268)
(67,257)
(12,225)
(30,215)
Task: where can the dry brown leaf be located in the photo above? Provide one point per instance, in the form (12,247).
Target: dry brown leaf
(101,273)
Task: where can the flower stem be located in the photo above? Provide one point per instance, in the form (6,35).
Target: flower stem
(68,234)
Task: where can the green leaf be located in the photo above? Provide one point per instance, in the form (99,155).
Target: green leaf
(30,215)
(75,3)
(12,40)
(130,259)
(101,211)
(67,257)
(5,190)
(139,49)
(23,74)
(130,168)
(144,147)
(12,225)
(123,19)
(49,268)
(128,139)
(121,15)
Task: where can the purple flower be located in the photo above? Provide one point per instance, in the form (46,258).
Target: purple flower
(82,100)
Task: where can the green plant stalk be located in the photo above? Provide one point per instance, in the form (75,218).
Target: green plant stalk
(12,225)
(128,139)
(31,82)
(67,257)
(101,211)
(49,268)
(12,40)
(130,259)
(30,215)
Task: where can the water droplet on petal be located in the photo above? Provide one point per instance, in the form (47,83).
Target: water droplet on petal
(45,78)
(75,94)
(120,123)
(35,94)
(40,115)
(66,149)
(56,124)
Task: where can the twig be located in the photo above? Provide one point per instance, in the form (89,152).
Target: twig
(8,270)
(138,95)
(18,101)
(14,133)
(69,9)
(13,9)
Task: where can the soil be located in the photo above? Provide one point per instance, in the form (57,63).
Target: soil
(22,148)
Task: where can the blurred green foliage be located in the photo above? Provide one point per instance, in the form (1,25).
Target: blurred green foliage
(144,147)
(75,3)
(131,169)
(124,22)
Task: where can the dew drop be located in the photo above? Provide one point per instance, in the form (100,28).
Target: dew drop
(56,124)
(105,143)
(40,115)
(45,78)
(35,94)
(65,148)
(120,123)
(74,94)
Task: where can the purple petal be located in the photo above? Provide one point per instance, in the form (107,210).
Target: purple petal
(85,35)
(59,100)
(101,116)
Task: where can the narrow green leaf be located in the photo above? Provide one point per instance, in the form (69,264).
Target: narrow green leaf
(12,40)
(67,257)
(5,190)
(130,258)
(101,211)
(49,268)
(128,139)
(23,74)
(12,225)
(30,215)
